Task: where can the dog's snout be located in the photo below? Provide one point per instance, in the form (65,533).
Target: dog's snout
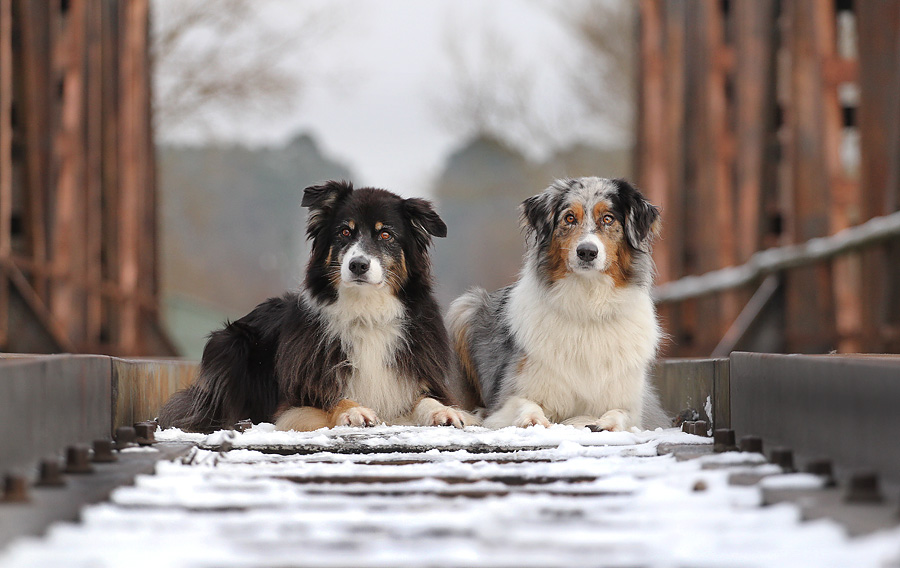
(359,265)
(587,252)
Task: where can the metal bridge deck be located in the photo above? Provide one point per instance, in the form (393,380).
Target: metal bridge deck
(442,497)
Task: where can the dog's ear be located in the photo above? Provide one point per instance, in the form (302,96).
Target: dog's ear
(322,200)
(641,217)
(538,214)
(424,220)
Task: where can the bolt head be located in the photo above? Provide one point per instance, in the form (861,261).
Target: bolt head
(752,444)
(864,488)
(50,474)
(103,451)
(78,459)
(15,489)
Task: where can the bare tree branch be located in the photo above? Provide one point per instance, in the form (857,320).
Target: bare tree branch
(496,89)
(213,58)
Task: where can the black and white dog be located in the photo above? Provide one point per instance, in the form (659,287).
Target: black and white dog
(573,339)
(361,343)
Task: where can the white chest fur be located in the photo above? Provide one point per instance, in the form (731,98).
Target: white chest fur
(369,323)
(587,345)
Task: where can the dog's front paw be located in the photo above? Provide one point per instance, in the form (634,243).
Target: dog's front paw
(357,416)
(614,421)
(532,418)
(446,416)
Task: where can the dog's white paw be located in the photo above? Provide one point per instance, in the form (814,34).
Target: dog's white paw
(614,421)
(357,416)
(532,418)
(446,416)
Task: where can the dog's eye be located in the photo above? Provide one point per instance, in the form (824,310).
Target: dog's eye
(384,236)
(608,219)
(570,219)
(345,232)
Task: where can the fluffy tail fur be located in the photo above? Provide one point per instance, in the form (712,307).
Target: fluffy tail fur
(464,382)
(235,382)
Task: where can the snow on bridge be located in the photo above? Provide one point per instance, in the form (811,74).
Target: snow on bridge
(409,496)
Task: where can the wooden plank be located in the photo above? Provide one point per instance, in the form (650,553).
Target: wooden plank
(6,93)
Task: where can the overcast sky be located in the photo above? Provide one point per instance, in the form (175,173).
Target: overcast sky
(371,101)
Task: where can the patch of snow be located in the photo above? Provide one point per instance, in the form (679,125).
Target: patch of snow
(793,481)
(573,498)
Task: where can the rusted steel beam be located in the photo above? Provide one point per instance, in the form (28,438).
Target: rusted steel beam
(132,97)
(808,292)
(36,305)
(93,176)
(754,126)
(652,162)
(878,32)
(820,406)
(68,226)
(6,93)
(815,251)
(35,107)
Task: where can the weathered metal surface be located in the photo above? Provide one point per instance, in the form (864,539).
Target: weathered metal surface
(142,386)
(844,408)
(48,403)
(63,500)
(691,383)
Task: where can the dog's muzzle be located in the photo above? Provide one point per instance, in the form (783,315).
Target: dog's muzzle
(361,268)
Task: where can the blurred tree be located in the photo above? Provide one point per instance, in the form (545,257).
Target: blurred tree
(499,92)
(227,58)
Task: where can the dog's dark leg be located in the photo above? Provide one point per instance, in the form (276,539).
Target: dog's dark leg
(236,381)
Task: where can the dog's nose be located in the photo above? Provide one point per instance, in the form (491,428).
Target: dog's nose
(587,252)
(359,265)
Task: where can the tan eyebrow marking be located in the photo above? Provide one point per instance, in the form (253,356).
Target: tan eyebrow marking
(351,223)
(379,225)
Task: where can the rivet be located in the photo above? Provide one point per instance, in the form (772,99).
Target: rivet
(700,428)
(50,474)
(752,444)
(125,436)
(723,440)
(15,489)
(78,459)
(822,468)
(144,432)
(103,451)
(863,488)
(784,458)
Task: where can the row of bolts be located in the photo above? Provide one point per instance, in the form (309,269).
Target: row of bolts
(79,460)
(862,488)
